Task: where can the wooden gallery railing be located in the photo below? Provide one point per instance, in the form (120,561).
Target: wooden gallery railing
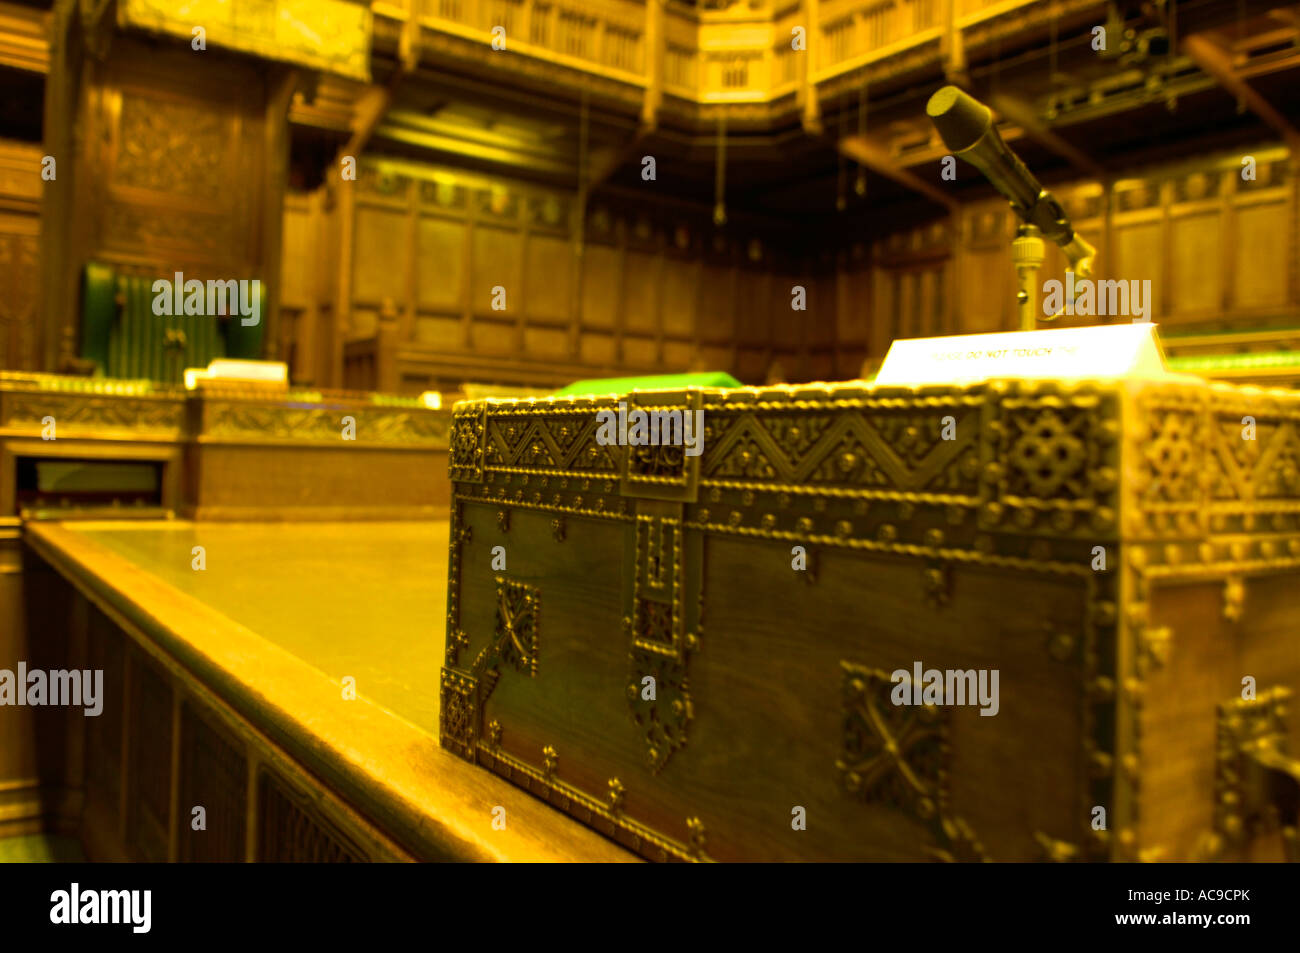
(742,53)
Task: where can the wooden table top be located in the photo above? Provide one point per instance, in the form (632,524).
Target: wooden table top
(367,600)
(280,615)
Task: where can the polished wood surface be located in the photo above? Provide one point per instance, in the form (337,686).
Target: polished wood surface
(350,599)
(375,753)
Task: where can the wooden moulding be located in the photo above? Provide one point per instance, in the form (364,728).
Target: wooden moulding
(1033,538)
(240,453)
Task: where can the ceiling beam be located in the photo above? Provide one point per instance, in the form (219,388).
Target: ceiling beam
(438,138)
(1023,115)
(868,152)
(1217,64)
(373,104)
(369,109)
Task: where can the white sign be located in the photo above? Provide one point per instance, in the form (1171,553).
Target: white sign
(1112,350)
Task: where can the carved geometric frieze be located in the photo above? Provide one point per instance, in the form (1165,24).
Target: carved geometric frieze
(94,411)
(1054,463)
(1169,447)
(374,425)
(918,449)
(458,713)
(466,444)
(1022,470)
(550,443)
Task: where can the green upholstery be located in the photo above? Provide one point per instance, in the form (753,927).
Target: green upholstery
(134,343)
(98,285)
(1196,363)
(245,343)
(622,385)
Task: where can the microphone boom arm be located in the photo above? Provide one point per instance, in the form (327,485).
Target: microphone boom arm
(966,127)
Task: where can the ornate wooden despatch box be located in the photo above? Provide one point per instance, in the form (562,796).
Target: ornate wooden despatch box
(1125,556)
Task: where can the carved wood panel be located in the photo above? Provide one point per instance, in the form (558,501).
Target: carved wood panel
(642,290)
(214,776)
(19,289)
(176,166)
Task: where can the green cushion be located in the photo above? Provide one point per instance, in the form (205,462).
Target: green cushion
(622,385)
(98,285)
(245,343)
(133,345)
(1234,362)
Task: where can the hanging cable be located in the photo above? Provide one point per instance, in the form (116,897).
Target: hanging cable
(1172,101)
(841,200)
(860,184)
(1052,48)
(584,121)
(720,180)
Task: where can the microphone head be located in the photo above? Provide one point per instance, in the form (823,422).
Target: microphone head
(961,119)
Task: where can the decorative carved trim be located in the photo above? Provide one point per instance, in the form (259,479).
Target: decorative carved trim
(936,580)
(662,721)
(466,443)
(329,35)
(596,814)
(98,412)
(518,632)
(663,628)
(898,756)
(516,641)
(1252,735)
(374,425)
(664,471)
(1108,712)
(1234,598)
(458,713)
(459,534)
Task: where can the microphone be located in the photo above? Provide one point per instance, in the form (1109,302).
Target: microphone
(966,127)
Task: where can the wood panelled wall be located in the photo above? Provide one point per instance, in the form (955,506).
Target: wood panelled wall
(635,287)
(411,257)
(1221,252)
(20,229)
(309,330)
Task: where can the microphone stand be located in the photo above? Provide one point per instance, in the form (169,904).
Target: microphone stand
(1028,254)
(966,127)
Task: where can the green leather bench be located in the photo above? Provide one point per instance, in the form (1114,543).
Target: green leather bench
(125,339)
